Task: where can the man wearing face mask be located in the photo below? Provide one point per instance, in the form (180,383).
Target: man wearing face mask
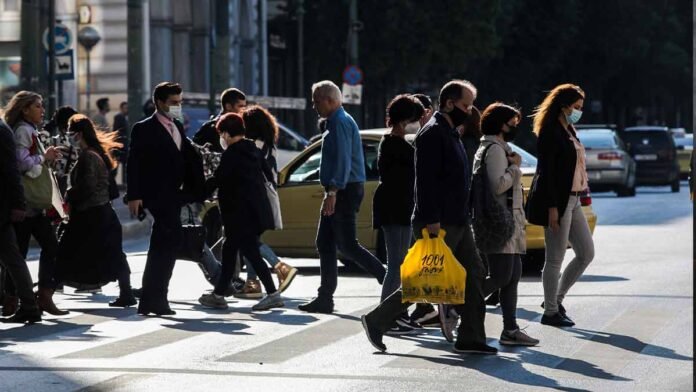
(164,173)
(443,178)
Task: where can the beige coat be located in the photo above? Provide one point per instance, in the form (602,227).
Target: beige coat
(501,178)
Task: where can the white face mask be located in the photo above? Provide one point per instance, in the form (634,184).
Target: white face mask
(223,142)
(175,112)
(412,128)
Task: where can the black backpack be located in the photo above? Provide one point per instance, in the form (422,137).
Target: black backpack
(493,223)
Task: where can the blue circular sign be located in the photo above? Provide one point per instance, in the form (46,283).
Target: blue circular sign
(352,75)
(63,39)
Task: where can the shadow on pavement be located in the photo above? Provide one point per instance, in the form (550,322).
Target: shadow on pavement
(628,343)
(584,278)
(511,369)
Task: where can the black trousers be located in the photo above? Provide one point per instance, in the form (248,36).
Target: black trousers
(505,271)
(14,266)
(460,240)
(40,227)
(247,244)
(165,237)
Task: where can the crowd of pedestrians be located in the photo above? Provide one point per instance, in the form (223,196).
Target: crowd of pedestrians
(428,162)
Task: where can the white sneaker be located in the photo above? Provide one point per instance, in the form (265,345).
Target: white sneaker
(270,301)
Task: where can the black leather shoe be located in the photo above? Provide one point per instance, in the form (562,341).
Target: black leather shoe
(124,301)
(24,315)
(162,311)
(561,309)
(493,299)
(373,334)
(557,320)
(475,348)
(318,305)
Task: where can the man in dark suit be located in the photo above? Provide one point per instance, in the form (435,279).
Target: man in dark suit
(12,210)
(164,173)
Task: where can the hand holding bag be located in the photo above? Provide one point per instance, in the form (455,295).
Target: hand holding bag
(192,239)
(431,273)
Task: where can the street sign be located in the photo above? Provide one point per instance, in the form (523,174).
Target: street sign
(352,75)
(64,65)
(352,94)
(63,38)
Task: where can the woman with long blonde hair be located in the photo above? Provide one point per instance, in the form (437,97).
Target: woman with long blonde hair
(25,114)
(90,249)
(554,198)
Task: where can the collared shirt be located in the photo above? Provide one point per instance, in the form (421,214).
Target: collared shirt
(342,159)
(580,176)
(169,125)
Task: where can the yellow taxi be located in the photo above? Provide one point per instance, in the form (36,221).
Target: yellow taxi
(301,195)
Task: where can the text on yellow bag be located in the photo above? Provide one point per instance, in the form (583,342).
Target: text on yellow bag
(431,273)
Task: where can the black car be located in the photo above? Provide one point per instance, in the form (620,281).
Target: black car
(653,149)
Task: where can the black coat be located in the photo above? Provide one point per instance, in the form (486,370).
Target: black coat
(393,201)
(443,175)
(242,197)
(208,134)
(159,173)
(11,191)
(553,180)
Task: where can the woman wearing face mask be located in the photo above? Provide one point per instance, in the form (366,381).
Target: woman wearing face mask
(502,168)
(554,199)
(25,113)
(90,250)
(245,210)
(262,128)
(393,201)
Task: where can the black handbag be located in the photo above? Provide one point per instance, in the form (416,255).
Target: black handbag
(192,239)
(493,222)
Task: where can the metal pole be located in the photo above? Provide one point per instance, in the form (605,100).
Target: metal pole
(300,62)
(211,57)
(263,21)
(87,85)
(135,60)
(30,47)
(51,57)
(353,38)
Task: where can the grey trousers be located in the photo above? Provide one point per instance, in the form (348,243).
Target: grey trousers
(574,230)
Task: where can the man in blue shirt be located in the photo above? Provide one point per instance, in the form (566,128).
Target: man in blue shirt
(342,174)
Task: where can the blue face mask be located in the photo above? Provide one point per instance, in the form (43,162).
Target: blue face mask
(574,116)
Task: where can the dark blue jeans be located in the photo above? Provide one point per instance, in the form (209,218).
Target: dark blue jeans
(338,232)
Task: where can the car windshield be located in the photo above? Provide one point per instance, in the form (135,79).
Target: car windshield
(657,139)
(597,140)
(528,160)
(684,141)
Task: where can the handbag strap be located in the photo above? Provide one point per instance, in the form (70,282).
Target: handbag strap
(508,193)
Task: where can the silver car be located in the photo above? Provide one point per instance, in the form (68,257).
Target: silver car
(609,165)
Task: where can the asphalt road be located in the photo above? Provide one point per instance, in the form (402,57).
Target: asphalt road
(633,309)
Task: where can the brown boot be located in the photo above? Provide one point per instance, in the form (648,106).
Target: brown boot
(44,298)
(251,290)
(285,275)
(10,305)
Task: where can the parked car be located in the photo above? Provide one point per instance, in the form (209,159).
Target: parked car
(301,195)
(685,145)
(653,149)
(609,165)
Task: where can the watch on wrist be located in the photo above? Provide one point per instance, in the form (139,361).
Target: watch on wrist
(330,193)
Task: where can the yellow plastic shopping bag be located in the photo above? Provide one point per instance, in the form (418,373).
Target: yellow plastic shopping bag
(431,273)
